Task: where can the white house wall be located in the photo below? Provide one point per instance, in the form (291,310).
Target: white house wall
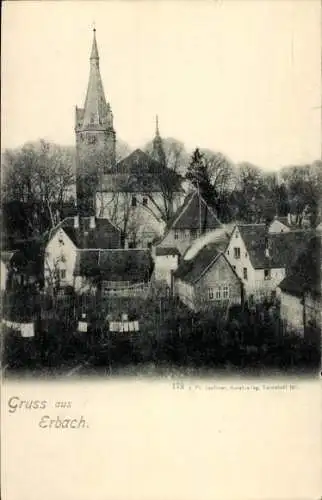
(186,293)
(255,284)
(291,311)
(164,264)
(56,252)
(145,222)
(4,275)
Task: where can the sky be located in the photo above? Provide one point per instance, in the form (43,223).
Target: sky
(238,76)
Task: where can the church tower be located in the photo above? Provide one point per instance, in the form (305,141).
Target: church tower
(157,145)
(95,138)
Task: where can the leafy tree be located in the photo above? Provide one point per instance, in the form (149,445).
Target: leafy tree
(199,175)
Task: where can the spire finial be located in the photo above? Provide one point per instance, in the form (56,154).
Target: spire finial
(94,53)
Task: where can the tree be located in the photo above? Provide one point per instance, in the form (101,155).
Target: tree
(198,174)
(41,176)
(168,178)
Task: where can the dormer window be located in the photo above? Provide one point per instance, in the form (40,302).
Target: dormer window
(145,201)
(176,235)
(134,201)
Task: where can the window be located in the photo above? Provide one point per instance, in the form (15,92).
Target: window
(246,255)
(63,274)
(267,274)
(193,233)
(234,268)
(237,253)
(210,293)
(245,273)
(227,252)
(218,293)
(225,292)
(236,235)
(145,201)
(134,201)
(176,235)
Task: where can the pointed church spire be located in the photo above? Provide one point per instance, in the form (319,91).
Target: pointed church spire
(94,53)
(96,110)
(157,150)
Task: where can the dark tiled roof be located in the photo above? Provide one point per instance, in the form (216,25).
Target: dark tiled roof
(191,270)
(283,247)
(167,251)
(133,265)
(105,234)
(138,172)
(305,274)
(138,162)
(192,212)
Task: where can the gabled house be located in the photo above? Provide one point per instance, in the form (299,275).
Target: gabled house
(114,271)
(73,235)
(192,223)
(300,291)
(260,258)
(193,219)
(207,280)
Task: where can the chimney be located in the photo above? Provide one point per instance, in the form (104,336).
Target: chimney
(92,224)
(76,221)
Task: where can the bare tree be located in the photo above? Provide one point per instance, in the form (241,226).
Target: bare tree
(39,174)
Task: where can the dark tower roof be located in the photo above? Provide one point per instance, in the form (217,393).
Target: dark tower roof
(96,108)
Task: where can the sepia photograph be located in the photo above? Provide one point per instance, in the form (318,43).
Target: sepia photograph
(161,186)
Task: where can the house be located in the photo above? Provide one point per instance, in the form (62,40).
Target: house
(261,258)
(166,261)
(300,291)
(116,271)
(72,235)
(193,219)
(207,280)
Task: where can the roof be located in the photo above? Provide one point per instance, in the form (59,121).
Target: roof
(105,234)
(133,265)
(282,220)
(193,211)
(138,162)
(192,270)
(139,172)
(283,247)
(166,251)
(305,273)
(95,109)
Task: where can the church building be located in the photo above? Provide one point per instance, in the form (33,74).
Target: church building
(139,194)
